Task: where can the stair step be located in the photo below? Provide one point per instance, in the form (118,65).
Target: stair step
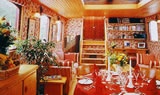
(93,42)
(93,58)
(93,54)
(94,48)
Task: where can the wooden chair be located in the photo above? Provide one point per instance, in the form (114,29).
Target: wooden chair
(158,74)
(83,70)
(146,60)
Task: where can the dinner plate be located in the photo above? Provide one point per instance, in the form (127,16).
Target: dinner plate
(131,94)
(85,81)
(157,82)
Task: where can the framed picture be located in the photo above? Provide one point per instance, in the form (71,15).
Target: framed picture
(141,44)
(31,28)
(54,32)
(126,44)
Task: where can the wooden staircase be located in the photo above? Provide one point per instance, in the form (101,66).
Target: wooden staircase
(93,51)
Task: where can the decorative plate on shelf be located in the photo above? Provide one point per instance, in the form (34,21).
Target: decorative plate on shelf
(85,81)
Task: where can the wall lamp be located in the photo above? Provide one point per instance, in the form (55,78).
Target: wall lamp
(157,18)
(38,14)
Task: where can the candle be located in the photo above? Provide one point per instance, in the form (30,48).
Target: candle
(130,63)
(108,64)
(130,84)
(109,75)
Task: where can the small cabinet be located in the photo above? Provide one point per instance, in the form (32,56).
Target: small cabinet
(24,83)
(29,85)
(15,89)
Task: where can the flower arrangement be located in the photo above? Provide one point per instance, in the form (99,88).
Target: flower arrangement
(119,58)
(119,61)
(6,37)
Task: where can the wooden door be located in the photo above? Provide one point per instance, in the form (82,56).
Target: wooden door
(30,85)
(15,89)
(93,28)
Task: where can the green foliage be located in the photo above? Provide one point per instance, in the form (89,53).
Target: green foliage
(6,38)
(119,59)
(37,52)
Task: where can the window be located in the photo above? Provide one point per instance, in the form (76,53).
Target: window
(11,12)
(44,27)
(153,30)
(59,30)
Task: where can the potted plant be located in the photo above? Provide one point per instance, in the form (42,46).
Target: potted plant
(37,52)
(6,35)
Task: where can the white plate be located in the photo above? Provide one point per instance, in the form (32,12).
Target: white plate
(85,81)
(131,94)
(157,82)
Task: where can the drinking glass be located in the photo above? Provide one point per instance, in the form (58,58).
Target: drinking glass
(137,86)
(143,75)
(123,81)
(136,75)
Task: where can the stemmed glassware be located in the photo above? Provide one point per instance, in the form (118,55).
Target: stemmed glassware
(123,77)
(143,75)
(137,85)
(136,75)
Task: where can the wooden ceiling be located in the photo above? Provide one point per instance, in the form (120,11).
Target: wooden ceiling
(77,8)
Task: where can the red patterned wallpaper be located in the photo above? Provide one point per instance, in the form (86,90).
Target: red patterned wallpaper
(73,28)
(29,8)
(154,47)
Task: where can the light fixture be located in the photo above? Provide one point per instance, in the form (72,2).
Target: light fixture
(58,19)
(38,14)
(157,19)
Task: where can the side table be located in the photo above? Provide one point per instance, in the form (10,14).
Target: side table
(54,86)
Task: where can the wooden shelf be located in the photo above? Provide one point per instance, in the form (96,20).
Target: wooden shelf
(126,34)
(138,39)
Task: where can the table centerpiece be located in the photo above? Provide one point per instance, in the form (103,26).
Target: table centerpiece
(119,61)
(7,66)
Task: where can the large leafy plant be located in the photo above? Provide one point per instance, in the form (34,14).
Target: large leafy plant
(6,37)
(37,52)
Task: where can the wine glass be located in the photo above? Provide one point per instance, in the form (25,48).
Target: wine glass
(123,81)
(136,75)
(137,86)
(143,75)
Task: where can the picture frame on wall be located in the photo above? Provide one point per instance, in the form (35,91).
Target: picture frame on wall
(31,28)
(54,32)
(141,44)
(126,44)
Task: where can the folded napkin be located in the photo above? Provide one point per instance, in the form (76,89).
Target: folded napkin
(136,68)
(152,84)
(100,88)
(151,88)
(95,71)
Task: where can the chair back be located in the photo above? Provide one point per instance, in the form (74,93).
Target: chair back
(84,70)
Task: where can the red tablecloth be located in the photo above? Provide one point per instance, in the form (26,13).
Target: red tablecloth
(104,90)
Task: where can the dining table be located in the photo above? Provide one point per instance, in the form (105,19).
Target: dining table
(96,85)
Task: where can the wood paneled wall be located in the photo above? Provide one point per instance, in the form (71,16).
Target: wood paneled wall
(93,28)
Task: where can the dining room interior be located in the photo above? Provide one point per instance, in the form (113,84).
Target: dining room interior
(79,47)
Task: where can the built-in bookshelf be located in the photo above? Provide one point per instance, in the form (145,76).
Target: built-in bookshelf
(126,33)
